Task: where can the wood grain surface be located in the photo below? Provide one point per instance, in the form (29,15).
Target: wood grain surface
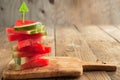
(58,66)
(63,11)
(87,29)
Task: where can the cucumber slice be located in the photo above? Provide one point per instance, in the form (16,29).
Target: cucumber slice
(32,28)
(27,27)
(16,59)
(38,30)
(17,62)
(17,67)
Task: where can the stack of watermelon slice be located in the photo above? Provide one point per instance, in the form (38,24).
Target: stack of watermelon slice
(29,48)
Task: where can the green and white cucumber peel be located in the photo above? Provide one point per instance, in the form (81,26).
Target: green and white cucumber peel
(27,27)
(18,61)
(32,28)
(39,29)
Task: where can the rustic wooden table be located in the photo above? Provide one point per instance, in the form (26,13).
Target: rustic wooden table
(89,43)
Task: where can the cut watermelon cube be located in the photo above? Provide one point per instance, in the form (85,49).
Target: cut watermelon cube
(24,43)
(29,58)
(47,50)
(24,54)
(32,49)
(35,48)
(27,42)
(35,63)
(11,31)
(20,37)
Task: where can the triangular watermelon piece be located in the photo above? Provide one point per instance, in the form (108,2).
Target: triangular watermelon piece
(20,22)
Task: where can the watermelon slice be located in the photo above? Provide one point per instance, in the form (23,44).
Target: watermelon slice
(35,48)
(27,53)
(11,31)
(29,58)
(20,22)
(16,59)
(20,37)
(27,42)
(35,63)
(24,43)
(28,26)
(24,54)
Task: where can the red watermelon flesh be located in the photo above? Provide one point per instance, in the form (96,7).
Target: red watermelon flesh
(30,55)
(11,31)
(24,43)
(29,58)
(47,49)
(20,22)
(32,49)
(35,48)
(20,37)
(35,63)
(27,42)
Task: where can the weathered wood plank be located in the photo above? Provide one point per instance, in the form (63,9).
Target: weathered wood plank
(118,26)
(82,11)
(103,46)
(115,75)
(111,30)
(60,68)
(5,55)
(89,76)
(69,42)
(114,32)
(97,76)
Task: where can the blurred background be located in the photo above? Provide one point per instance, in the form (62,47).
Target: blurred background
(62,11)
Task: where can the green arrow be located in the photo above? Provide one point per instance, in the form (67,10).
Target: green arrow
(23,9)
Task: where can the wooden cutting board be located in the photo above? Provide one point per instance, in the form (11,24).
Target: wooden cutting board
(58,67)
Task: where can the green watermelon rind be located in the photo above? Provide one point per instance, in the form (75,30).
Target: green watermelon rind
(27,27)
